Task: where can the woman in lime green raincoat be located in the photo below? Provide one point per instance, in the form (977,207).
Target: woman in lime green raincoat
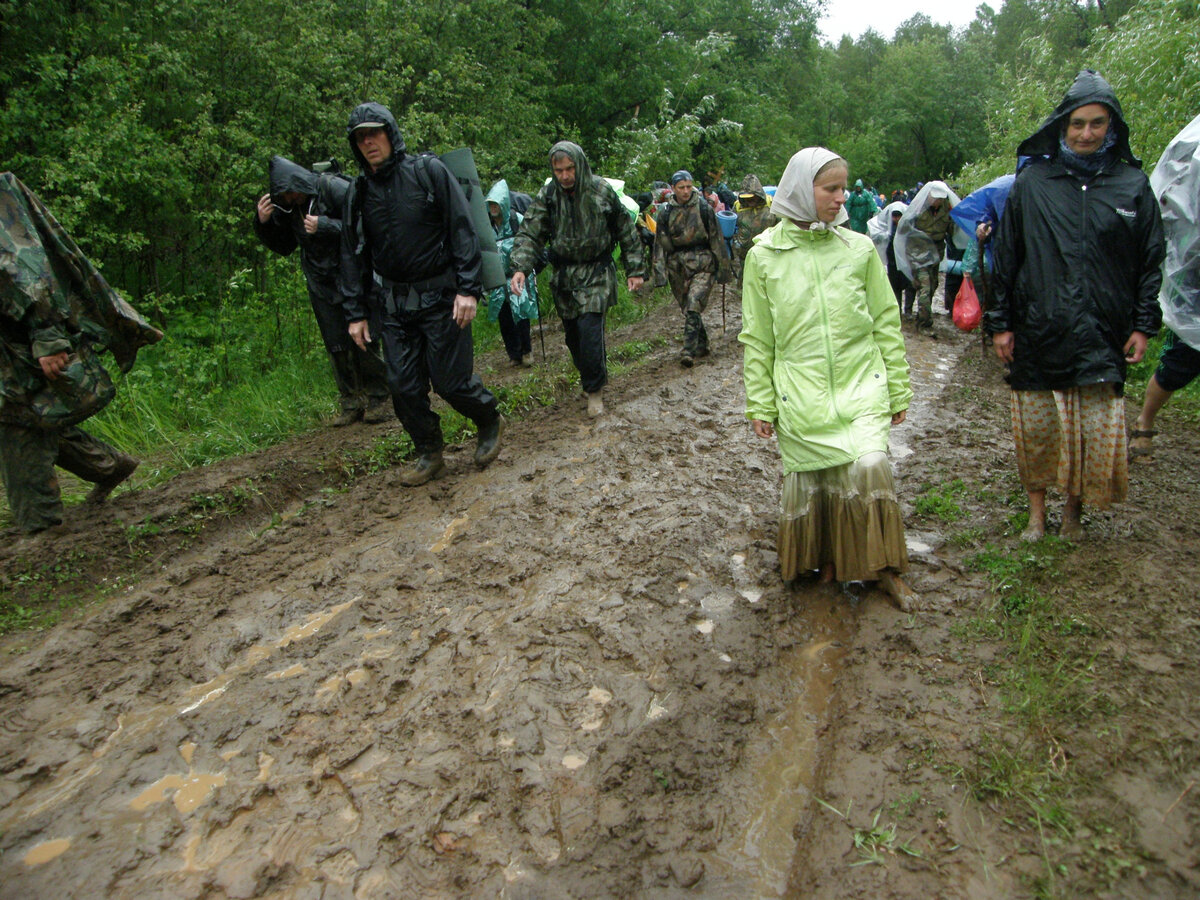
(825,372)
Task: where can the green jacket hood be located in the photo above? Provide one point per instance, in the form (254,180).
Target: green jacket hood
(786,235)
(1088,87)
(502,196)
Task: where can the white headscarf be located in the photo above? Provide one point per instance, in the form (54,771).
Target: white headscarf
(794,197)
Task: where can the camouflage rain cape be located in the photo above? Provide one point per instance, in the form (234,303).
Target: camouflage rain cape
(52,299)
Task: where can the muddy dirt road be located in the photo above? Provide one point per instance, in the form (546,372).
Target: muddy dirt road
(573,675)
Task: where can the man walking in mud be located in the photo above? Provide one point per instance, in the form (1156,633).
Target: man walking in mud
(54,306)
(304,209)
(411,270)
(689,253)
(579,219)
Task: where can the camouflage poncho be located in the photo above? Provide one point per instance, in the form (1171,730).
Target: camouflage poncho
(52,299)
(580,229)
(752,221)
(688,242)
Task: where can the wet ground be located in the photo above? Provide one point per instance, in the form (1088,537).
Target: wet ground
(575,674)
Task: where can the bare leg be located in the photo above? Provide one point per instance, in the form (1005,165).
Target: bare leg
(1036,528)
(1072,527)
(1156,398)
(826,573)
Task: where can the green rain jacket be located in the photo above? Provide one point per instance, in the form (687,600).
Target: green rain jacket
(824,358)
(580,230)
(524,306)
(52,299)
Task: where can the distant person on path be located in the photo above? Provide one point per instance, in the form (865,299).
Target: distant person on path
(921,242)
(56,314)
(304,209)
(824,369)
(1078,253)
(579,219)
(860,206)
(754,217)
(690,254)
(411,272)
(882,229)
(1176,184)
(512,311)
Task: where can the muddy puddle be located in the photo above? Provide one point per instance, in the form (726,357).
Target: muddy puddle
(574,674)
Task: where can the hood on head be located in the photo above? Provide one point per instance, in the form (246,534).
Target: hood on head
(1088,87)
(374,112)
(583,171)
(751,184)
(501,195)
(283,175)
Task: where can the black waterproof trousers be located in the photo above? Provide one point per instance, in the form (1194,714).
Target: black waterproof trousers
(585,339)
(360,375)
(424,348)
(515,332)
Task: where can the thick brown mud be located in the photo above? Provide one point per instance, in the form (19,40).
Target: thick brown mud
(575,674)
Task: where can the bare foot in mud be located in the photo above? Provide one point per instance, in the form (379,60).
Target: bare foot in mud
(895,586)
(1034,531)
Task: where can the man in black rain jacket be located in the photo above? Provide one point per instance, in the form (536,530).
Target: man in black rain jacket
(304,209)
(411,271)
(1078,254)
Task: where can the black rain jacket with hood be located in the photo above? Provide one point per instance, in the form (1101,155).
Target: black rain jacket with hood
(409,222)
(1078,256)
(320,253)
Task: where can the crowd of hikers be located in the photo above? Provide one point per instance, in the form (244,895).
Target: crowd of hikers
(1070,246)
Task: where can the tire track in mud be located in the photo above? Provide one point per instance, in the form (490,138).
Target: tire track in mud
(546,679)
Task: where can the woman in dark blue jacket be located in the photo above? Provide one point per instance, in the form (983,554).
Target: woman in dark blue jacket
(1078,256)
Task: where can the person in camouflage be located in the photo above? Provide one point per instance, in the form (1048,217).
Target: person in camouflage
(56,314)
(579,219)
(754,217)
(935,226)
(689,254)
(304,209)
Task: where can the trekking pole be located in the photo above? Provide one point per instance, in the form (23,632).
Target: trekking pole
(722,309)
(542,337)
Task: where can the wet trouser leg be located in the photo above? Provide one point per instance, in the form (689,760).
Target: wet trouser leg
(27,460)
(925,282)
(360,375)
(515,332)
(426,348)
(585,339)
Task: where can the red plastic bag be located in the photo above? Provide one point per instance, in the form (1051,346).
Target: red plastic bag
(966,307)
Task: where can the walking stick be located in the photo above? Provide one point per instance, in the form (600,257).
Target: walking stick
(722,309)
(542,337)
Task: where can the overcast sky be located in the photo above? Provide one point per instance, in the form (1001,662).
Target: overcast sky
(853,17)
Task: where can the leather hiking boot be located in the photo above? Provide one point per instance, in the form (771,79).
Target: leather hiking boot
(124,467)
(378,412)
(428,467)
(347,417)
(488,446)
(595,404)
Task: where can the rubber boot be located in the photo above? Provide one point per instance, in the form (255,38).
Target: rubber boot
(595,404)
(428,467)
(124,467)
(488,446)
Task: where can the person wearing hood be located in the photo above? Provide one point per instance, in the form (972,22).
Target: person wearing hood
(882,229)
(754,216)
(689,254)
(926,245)
(825,372)
(411,273)
(579,219)
(860,206)
(1078,253)
(57,314)
(304,209)
(512,311)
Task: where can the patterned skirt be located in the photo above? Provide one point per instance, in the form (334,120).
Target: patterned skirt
(1074,439)
(845,515)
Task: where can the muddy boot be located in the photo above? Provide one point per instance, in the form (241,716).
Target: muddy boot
(348,416)
(701,338)
(595,404)
(428,467)
(124,467)
(691,338)
(488,446)
(378,412)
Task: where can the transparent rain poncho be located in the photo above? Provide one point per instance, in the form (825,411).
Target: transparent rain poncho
(1176,184)
(879,226)
(914,249)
